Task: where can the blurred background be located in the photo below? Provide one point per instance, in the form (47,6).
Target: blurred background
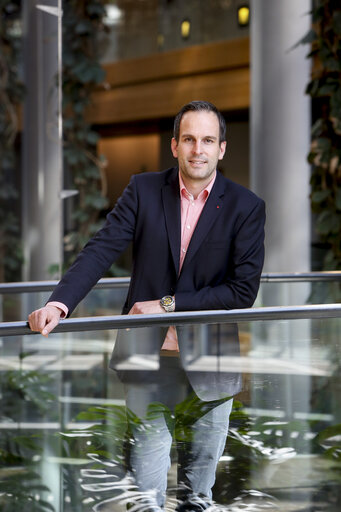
(88,93)
(89,90)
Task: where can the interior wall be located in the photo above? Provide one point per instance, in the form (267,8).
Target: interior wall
(128,155)
(235,164)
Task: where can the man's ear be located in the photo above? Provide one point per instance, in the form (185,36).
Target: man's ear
(174,148)
(222,150)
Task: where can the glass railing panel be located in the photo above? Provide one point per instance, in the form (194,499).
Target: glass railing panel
(46,385)
(296,293)
(291,289)
(100,301)
(63,429)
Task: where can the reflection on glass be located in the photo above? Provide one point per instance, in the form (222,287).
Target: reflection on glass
(68,442)
(286,293)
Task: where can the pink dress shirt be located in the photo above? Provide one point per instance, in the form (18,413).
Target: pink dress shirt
(191,209)
(190,212)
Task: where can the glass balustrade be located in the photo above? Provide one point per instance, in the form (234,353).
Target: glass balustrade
(64,433)
(108,298)
(100,301)
(299,292)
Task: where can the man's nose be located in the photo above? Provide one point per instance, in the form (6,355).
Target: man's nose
(197,147)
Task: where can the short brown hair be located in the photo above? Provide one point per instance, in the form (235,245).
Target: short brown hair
(198,106)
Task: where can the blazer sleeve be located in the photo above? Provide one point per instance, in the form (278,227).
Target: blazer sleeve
(240,288)
(100,252)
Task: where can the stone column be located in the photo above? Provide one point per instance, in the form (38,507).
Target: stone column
(280,174)
(280,125)
(42,139)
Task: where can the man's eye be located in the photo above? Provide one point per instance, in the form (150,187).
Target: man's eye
(209,141)
(188,139)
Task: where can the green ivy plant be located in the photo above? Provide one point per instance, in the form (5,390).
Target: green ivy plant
(325,152)
(83,37)
(11,94)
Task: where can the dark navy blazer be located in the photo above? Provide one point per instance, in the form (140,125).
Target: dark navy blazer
(223,263)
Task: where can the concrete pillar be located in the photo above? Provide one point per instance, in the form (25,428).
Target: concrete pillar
(42,139)
(280,124)
(280,174)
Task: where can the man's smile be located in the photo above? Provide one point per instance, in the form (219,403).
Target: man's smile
(197,162)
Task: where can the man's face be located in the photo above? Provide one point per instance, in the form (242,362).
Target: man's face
(198,149)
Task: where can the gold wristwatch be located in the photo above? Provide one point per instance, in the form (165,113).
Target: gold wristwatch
(168,303)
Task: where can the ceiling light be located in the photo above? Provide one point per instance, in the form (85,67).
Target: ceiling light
(185,29)
(243,15)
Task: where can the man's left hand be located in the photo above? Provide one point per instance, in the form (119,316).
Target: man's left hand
(147,307)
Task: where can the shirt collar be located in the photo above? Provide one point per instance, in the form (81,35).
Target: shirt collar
(203,194)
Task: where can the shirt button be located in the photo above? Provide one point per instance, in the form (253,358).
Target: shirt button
(183,250)
(188,226)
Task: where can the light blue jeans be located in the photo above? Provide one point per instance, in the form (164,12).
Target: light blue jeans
(164,407)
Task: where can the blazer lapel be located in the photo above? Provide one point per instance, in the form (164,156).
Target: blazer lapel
(172,211)
(210,213)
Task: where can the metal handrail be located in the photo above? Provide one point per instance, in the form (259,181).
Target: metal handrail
(287,277)
(182,318)
(48,286)
(123,282)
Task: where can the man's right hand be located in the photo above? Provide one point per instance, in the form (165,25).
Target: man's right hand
(45,319)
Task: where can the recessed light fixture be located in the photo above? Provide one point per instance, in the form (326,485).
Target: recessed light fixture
(243,14)
(185,28)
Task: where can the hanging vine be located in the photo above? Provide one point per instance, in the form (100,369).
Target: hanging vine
(325,153)
(11,94)
(83,31)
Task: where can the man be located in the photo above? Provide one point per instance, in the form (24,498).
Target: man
(197,245)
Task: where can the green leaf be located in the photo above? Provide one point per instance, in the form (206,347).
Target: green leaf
(336,124)
(317,128)
(28,353)
(92,137)
(330,262)
(323,143)
(80,216)
(309,37)
(97,201)
(320,196)
(338,199)
(327,89)
(96,10)
(335,101)
(332,64)
(28,442)
(330,434)
(83,27)
(328,222)
(91,171)
(313,87)
(337,22)
(79,107)
(318,13)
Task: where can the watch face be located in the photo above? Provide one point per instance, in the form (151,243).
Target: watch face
(167,301)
